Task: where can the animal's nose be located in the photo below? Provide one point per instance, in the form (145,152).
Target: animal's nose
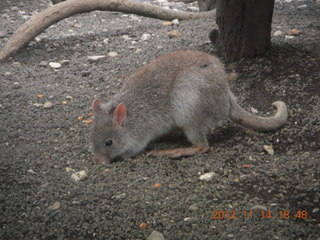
(100,159)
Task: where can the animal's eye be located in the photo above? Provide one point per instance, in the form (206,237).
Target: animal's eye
(109,143)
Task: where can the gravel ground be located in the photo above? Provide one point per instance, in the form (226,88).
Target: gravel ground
(252,195)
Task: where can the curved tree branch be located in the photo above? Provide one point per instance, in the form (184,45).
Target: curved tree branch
(38,23)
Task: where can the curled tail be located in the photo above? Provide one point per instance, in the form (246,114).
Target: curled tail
(263,124)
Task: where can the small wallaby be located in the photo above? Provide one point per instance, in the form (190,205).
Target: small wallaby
(184,90)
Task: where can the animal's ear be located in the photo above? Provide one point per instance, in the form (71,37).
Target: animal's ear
(120,114)
(96,105)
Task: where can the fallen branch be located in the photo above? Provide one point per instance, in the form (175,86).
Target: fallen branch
(38,23)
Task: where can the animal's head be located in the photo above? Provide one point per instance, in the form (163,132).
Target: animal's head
(108,133)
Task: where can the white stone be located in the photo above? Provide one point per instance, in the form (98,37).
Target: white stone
(54,65)
(112,54)
(278,33)
(48,105)
(288,37)
(175,22)
(145,36)
(78,176)
(96,58)
(207,177)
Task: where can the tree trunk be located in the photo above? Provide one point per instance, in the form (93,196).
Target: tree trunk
(244,28)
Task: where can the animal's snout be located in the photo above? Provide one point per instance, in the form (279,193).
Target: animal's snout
(100,159)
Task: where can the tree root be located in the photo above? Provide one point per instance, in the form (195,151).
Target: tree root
(38,23)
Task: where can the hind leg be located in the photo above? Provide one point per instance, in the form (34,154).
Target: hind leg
(199,145)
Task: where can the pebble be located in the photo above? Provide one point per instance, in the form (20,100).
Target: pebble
(106,41)
(278,33)
(259,207)
(55,206)
(155,235)
(69,97)
(126,37)
(96,58)
(48,105)
(37,104)
(207,177)
(112,54)
(288,37)
(294,32)
(7,74)
(16,64)
(120,196)
(43,63)
(16,85)
(174,34)
(175,22)
(78,176)
(65,62)
(193,207)
(302,6)
(2,34)
(269,149)
(145,37)
(54,65)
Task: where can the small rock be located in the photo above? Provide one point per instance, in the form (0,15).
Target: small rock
(2,34)
(65,62)
(269,149)
(48,105)
(315,210)
(54,65)
(106,41)
(31,171)
(167,23)
(78,176)
(278,33)
(305,155)
(138,50)
(207,177)
(175,22)
(126,37)
(294,32)
(16,64)
(7,74)
(155,235)
(96,58)
(112,54)
(174,34)
(43,63)
(55,206)
(16,85)
(251,132)
(68,169)
(145,37)
(69,97)
(253,110)
(259,207)
(193,207)
(288,37)
(302,6)
(37,104)
(120,196)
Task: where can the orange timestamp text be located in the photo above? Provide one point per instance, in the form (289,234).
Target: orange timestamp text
(282,215)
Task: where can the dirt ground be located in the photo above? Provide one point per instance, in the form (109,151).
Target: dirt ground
(253,194)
